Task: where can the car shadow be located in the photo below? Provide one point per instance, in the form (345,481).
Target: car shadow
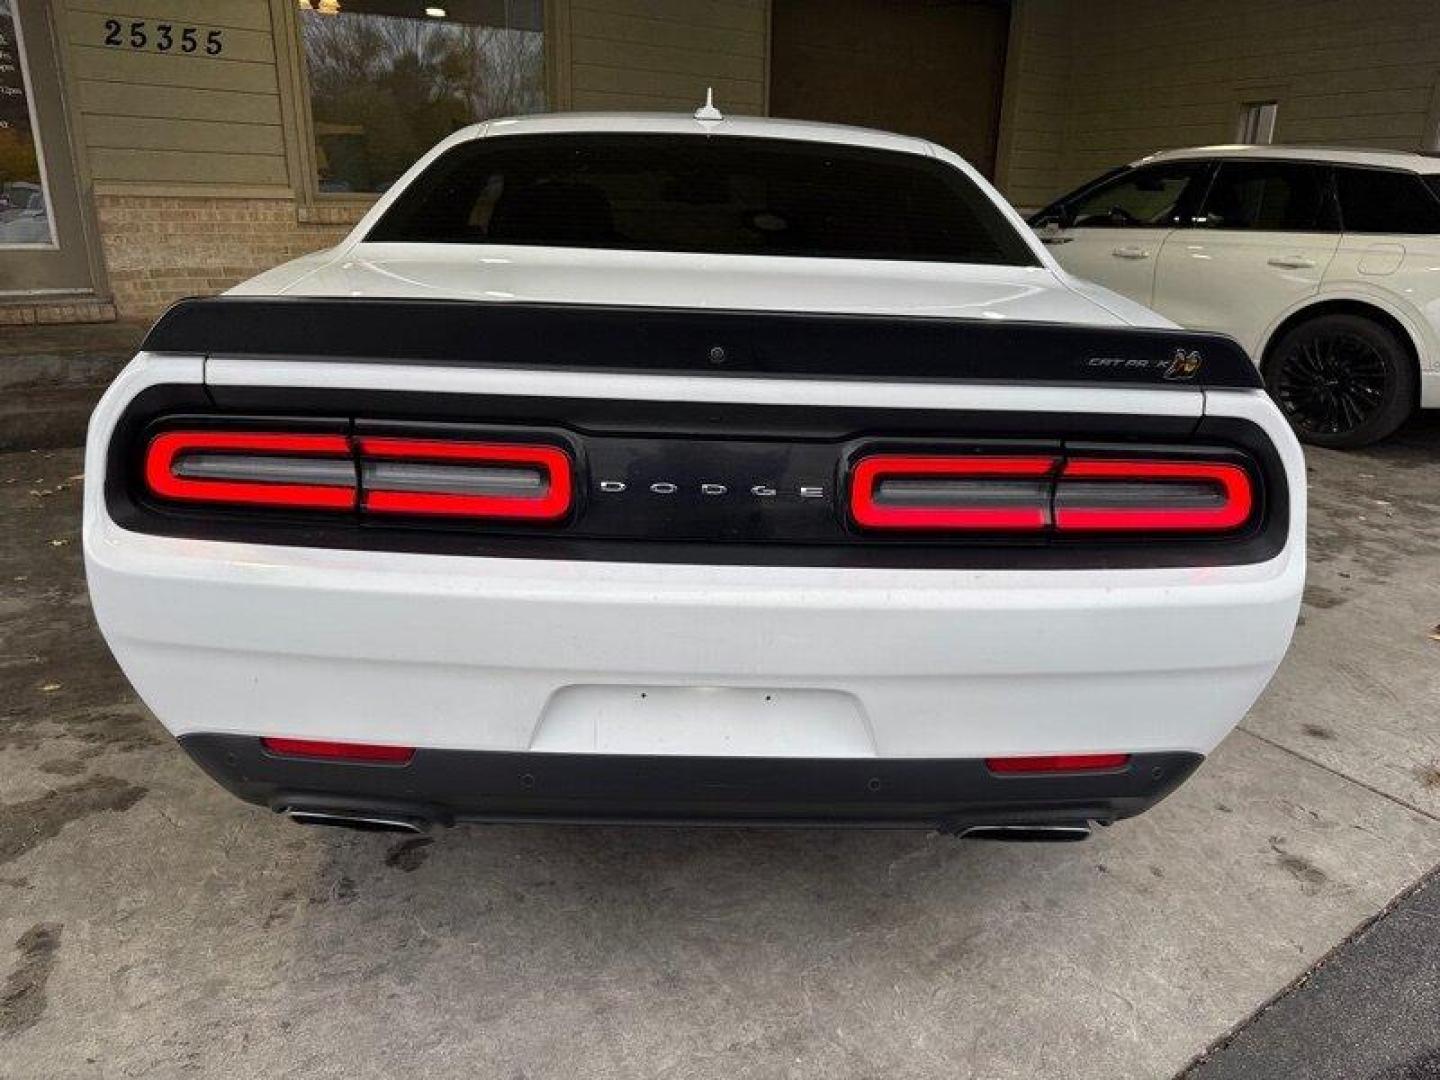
(637,887)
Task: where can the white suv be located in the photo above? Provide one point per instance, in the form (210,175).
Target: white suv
(1322,263)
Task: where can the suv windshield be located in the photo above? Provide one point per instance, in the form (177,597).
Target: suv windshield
(709,194)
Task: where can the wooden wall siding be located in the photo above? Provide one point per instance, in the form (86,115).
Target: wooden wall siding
(1032,115)
(1145,75)
(662,54)
(170,118)
(242,14)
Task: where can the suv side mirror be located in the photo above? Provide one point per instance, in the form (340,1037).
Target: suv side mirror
(1049,230)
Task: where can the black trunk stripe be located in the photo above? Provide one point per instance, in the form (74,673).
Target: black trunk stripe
(554,337)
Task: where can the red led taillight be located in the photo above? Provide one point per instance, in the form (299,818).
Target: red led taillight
(252,468)
(953,493)
(1045,494)
(324,749)
(1136,495)
(1057,763)
(377,475)
(504,481)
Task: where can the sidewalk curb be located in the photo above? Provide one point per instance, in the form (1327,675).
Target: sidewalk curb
(1196,1069)
(51,378)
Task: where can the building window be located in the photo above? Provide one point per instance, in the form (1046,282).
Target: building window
(24,217)
(389,79)
(1257,123)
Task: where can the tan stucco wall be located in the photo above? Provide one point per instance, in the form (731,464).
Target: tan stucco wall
(1097,83)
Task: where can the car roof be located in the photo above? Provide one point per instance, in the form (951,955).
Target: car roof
(1349,155)
(687,124)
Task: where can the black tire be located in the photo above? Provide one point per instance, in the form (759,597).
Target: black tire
(1342,380)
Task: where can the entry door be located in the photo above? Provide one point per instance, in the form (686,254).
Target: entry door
(1113,234)
(1261,242)
(44,247)
(933,69)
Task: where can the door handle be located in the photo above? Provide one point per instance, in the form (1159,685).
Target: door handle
(1292,262)
(1130,253)
(1053,240)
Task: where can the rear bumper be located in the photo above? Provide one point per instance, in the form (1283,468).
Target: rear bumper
(518,656)
(1430,389)
(444,786)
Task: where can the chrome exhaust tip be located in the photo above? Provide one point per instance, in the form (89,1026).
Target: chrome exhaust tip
(1028,834)
(361,822)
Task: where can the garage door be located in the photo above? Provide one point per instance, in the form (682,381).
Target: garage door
(932,68)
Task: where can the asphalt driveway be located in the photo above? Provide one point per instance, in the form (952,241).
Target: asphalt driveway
(151,925)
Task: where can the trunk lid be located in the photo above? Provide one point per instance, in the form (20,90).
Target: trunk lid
(545,275)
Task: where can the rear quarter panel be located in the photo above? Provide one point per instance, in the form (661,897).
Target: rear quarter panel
(1400,275)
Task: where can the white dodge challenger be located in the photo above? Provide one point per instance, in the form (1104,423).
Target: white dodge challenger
(654,469)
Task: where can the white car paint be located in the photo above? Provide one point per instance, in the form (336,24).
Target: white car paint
(471,653)
(1233,281)
(1249,283)
(680,279)
(1124,262)
(536,654)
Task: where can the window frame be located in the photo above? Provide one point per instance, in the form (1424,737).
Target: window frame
(1256,126)
(1056,209)
(1023,254)
(312,204)
(1065,206)
(1419,179)
(1330,200)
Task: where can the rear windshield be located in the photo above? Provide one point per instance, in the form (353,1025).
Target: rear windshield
(697,193)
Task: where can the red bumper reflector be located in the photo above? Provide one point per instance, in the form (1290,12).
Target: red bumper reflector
(257,449)
(549,500)
(338,751)
(1158,496)
(964,492)
(1057,763)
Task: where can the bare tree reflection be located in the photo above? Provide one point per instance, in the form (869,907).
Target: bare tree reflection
(384,89)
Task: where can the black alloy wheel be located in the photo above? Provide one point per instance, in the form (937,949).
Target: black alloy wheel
(1342,380)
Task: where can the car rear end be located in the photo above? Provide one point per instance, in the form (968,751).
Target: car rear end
(408,561)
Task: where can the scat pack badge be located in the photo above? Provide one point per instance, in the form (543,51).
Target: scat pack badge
(1184,365)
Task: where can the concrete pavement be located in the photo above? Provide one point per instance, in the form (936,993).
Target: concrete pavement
(150,925)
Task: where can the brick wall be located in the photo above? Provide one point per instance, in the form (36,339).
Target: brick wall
(52,313)
(160,249)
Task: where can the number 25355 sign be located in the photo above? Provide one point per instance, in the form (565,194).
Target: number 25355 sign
(163,37)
